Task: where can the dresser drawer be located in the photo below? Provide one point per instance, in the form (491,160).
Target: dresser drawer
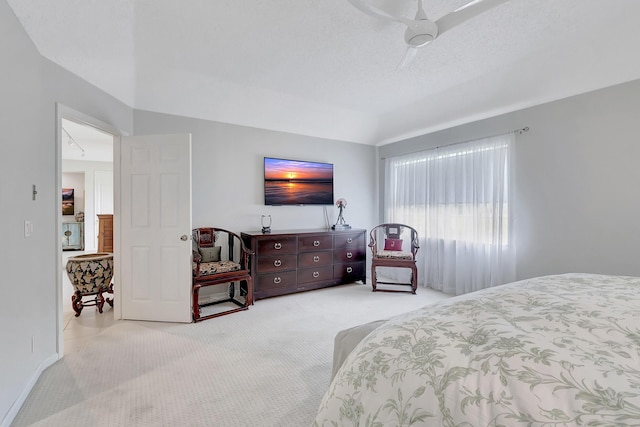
(349,272)
(314,259)
(319,274)
(347,255)
(314,243)
(272,263)
(350,240)
(274,280)
(278,245)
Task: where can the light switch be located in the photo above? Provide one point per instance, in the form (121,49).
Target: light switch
(28,228)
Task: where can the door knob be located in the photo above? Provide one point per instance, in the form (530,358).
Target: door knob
(184,237)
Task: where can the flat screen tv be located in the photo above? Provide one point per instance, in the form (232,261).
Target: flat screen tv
(297,182)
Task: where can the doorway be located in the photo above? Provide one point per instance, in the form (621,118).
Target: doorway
(85,165)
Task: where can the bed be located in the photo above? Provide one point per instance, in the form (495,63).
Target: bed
(551,351)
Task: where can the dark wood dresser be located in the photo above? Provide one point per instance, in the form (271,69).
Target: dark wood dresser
(300,260)
(105,233)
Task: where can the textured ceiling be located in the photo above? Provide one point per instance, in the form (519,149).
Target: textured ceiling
(323,68)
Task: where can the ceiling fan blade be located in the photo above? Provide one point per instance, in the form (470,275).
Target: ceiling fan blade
(408,57)
(378,13)
(464,13)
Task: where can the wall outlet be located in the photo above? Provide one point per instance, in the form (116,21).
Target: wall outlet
(28,228)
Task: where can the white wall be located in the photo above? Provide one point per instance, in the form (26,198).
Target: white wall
(576,178)
(577,183)
(23,284)
(30,86)
(228,174)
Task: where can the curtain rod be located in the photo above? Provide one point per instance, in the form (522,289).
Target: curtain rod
(518,131)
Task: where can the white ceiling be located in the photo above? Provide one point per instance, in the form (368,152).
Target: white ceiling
(83,142)
(323,68)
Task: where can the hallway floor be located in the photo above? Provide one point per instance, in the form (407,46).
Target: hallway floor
(78,331)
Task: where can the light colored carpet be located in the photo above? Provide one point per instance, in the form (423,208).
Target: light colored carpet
(268,366)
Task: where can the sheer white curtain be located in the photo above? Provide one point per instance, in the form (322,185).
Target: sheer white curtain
(457,197)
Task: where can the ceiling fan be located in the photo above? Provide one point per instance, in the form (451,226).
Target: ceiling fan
(421,30)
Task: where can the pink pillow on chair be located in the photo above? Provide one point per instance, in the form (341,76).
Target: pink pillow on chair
(392,244)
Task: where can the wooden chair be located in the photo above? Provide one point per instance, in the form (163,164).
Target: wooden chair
(394,245)
(226,263)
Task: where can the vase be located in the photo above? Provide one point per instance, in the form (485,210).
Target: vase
(90,275)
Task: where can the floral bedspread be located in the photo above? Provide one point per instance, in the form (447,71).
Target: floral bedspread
(551,351)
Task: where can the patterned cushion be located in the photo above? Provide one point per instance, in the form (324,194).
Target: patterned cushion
(209,268)
(394,255)
(210,254)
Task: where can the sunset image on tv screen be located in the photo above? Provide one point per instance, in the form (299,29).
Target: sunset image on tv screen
(297,182)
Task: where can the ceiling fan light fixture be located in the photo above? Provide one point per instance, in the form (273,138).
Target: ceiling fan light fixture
(421,30)
(423,33)
(420,40)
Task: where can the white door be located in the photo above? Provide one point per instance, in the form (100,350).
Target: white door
(103,183)
(103,201)
(155,228)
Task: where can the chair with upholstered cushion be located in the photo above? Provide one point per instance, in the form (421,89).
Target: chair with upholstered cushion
(220,258)
(394,245)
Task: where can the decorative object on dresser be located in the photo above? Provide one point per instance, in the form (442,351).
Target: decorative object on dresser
(394,245)
(341,224)
(292,261)
(72,236)
(105,232)
(226,263)
(266,224)
(90,275)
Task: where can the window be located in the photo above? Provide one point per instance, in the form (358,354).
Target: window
(457,197)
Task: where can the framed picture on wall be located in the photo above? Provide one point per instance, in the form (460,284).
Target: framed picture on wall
(67,201)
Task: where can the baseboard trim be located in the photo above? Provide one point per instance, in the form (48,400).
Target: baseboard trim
(15,408)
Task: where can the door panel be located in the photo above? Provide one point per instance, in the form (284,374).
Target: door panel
(156,213)
(103,201)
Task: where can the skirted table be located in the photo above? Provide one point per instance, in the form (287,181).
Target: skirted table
(90,275)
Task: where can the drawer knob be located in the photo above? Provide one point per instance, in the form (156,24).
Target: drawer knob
(316,274)
(349,255)
(277,245)
(277,263)
(349,270)
(277,280)
(349,240)
(316,243)
(316,258)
